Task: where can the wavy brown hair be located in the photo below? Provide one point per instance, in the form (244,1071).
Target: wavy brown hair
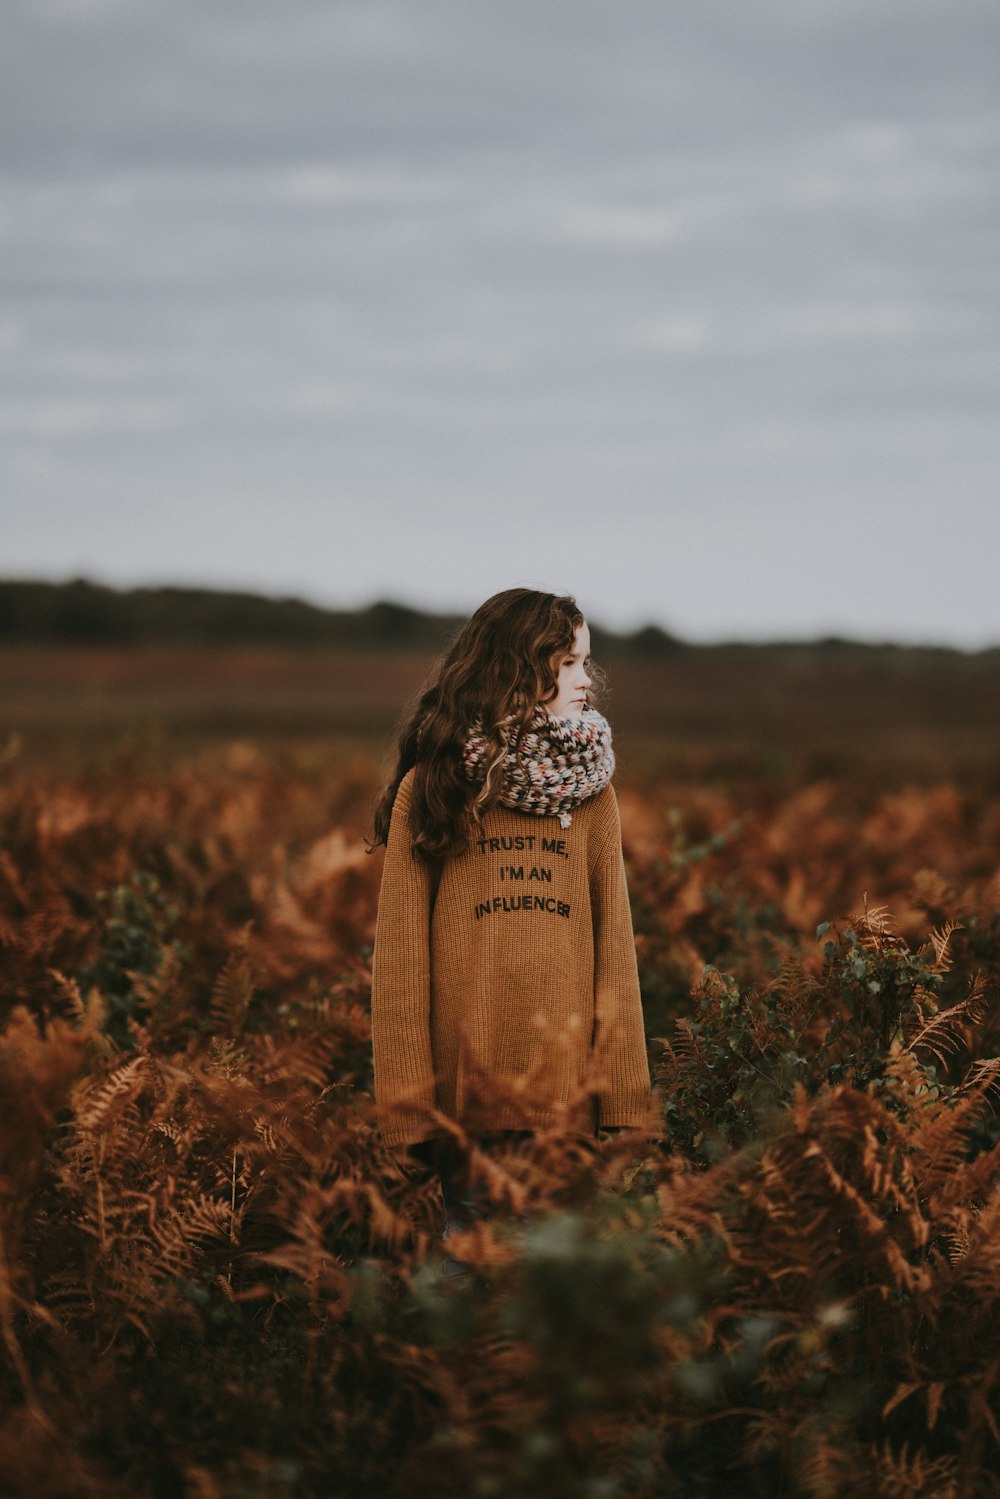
(501,663)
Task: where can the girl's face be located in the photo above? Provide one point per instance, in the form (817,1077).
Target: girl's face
(572,681)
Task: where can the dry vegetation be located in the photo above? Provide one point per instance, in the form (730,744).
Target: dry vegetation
(215,1281)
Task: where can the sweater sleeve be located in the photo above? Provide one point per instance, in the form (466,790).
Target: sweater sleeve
(401,987)
(619,1038)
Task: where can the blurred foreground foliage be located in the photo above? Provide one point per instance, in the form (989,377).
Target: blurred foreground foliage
(215,1281)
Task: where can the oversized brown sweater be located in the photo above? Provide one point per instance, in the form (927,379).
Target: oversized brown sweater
(518,964)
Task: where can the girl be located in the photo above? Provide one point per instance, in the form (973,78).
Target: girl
(504,985)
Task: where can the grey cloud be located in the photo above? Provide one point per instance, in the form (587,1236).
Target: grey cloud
(437,260)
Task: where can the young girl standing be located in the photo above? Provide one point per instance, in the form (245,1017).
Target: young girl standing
(504,953)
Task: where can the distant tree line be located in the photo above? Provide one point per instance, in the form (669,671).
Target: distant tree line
(85,613)
(81,612)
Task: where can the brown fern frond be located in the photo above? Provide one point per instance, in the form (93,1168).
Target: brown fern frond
(15,881)
(982,1077)
(911,1475)
(204,1217)
(940,942)
(304,1060)
(685,1050)
(175,1237)
(832,1191)
(951,1185)
(796,985)
(69,991)
(159,990)
(100,1104)
(171,1130)
(319,1271)
(977,1261)
(824,1469)
(232,993)
(875,926)
(900,1393)
(945,1033)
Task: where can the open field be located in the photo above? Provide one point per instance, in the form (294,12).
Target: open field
(800,709)
(216,1282)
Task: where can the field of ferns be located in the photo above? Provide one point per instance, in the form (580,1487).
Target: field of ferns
(216,1282)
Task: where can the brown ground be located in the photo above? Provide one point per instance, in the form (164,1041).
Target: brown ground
(801,712)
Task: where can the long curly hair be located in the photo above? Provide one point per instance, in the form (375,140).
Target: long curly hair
(500,666)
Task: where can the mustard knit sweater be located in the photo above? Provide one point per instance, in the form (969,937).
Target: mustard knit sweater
(519,967)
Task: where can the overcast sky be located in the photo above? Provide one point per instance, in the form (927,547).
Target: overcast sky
(690,309)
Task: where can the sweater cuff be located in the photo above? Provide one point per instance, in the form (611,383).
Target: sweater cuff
(405,1129)
(632,1114)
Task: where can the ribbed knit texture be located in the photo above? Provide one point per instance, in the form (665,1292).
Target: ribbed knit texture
(556,764)
(520,967)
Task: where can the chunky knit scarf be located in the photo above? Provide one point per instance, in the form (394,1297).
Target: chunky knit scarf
(555,765)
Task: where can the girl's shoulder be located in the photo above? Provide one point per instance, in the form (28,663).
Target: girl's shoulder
(603,806)
(602,822)
(404,791)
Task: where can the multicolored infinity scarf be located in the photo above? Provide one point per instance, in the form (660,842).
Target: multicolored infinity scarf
(557,763)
